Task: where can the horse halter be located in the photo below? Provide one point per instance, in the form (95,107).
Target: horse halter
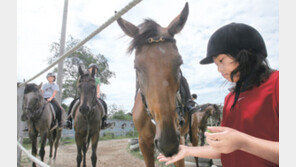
(160,39)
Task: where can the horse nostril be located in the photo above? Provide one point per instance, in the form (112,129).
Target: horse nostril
(84,109)
(156,143)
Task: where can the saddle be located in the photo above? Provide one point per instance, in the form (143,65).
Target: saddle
(73,108)
(54,122)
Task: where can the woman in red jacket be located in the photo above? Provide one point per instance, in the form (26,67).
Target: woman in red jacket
(249,132)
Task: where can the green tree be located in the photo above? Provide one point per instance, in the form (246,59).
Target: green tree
(84,57)
(117,112)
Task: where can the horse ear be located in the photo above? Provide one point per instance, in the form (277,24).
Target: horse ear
(80,70)
(128,28)
(93,72)
(178,23)
(40,85)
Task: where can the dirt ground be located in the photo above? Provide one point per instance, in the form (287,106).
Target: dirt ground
(110,153)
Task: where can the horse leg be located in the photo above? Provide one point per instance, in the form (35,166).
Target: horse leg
(202,137)
(147,149)
(33,137)
(79,143)
(194,141)
(94,144)
(84,149)
(51,139)
(43,142)
(57,141)
(181,163)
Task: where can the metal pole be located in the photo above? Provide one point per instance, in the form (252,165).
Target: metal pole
(62,49)
(20,124)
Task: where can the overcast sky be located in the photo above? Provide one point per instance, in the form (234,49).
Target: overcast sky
(39,24)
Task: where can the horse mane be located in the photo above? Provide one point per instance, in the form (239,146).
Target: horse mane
(31,88)
(149,29)
(204,106)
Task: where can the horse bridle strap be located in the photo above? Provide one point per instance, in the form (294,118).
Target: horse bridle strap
(146,108)
(160,39)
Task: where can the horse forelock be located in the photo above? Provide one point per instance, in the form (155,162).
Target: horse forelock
(149,28)
(31,88)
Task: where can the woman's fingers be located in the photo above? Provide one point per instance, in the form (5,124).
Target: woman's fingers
(214,136)
(216,129)
(160,156)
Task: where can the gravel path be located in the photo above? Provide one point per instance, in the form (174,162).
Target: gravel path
(110,153)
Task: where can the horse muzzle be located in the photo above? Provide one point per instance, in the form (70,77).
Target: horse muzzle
(168,145)
(84,109)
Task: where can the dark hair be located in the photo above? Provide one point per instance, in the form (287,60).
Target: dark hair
(253,70)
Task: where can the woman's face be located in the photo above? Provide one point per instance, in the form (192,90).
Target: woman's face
(90,69)
(50,79)
(226,64)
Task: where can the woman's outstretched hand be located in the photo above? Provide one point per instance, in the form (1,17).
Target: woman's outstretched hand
(224,140)
(180,155)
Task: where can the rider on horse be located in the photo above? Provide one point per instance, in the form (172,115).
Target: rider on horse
(49,91)
(98,82)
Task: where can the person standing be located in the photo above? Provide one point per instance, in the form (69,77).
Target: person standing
(249,132)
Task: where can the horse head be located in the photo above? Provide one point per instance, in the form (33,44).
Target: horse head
(215,113)
(31,101)
(157,64)
(88,91)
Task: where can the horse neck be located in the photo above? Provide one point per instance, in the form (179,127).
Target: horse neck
(205,117)
(40,108)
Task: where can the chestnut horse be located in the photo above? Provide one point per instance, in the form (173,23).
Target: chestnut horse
(157,63)
(200,119)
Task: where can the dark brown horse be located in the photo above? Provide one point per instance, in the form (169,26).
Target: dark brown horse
(88,117)
(157,63)
(39,115)
(199,120)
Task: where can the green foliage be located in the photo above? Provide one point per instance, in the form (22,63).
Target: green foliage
(118,112)
(121,116)
(84,57)
(65,107)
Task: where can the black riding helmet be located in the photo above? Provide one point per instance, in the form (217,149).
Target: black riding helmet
(94,65)
(51,75)
(231,39)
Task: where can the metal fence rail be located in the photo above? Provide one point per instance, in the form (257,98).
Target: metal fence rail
(36,160)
